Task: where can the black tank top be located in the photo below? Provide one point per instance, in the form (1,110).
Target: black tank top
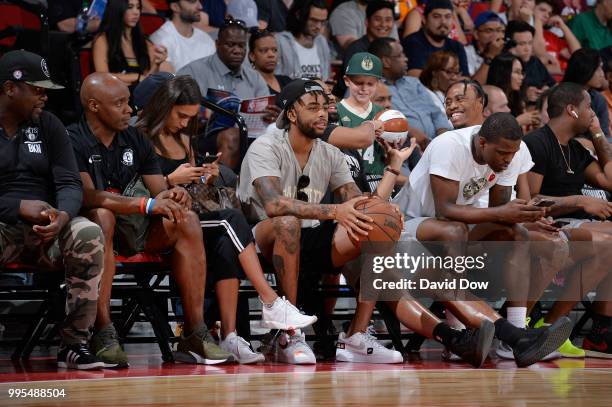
(168,165)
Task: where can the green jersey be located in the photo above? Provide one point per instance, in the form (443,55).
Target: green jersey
(373,157)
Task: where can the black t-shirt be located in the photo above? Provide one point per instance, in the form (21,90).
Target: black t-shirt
(38,164)
(130,154)
(417,48)
(60,10)
(282,81)
(274,12)
(537,75)
(549,162)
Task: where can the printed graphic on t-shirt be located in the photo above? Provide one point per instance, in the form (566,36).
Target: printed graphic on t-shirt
(311,71)
(473,187)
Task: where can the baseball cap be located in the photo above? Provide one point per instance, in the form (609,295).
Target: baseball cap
(364,63)
(486,17)
(145,89)
(25,66)
(290,94)
(435,4)
(245,10)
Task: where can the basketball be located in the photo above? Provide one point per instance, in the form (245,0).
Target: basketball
(395,125)
(387,221)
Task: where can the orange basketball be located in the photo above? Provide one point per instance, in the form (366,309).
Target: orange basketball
(395,125)
(387,221)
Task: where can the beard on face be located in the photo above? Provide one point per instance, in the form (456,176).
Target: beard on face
(309,132)
(189,18)
(438,37)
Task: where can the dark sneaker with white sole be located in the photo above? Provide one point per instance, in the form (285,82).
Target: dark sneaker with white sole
(77,356)
(537,343)
(473,345)
(200,348)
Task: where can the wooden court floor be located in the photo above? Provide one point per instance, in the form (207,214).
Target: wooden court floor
(423,380)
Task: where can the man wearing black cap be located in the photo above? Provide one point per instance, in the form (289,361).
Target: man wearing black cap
(283,179)
(433,37)
(41,197)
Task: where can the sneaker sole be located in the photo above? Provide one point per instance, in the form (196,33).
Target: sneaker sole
(89,366)
(596,354)
(486,332)
(194,358)
(256,359)
(344,356)
(116,365)
(285,327)
(547,343)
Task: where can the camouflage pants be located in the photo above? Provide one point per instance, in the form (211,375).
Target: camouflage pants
(79,250)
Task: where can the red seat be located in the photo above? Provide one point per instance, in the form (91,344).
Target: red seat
(151,23)
(15,16)
(86,62)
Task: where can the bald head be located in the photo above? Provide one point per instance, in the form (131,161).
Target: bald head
(498,102)
(105,99)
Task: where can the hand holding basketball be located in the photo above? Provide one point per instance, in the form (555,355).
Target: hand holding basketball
(356,223)
(395,125)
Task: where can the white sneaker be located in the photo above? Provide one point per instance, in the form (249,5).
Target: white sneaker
(241,349)
(363,347)
(292,349)
(284,315)
(505,352)
(449,356)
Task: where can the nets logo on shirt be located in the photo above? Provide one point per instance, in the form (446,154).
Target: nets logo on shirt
(473,187)
(128,157)
(31,133)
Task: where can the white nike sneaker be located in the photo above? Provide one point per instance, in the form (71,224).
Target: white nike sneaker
(241,349)
(284,315)
(363,347)
(292,349)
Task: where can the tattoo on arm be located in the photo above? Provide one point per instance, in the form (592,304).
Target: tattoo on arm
(348,191)
(276,204)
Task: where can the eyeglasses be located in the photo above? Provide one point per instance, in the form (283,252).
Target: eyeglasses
(519,73)
(231,21)
(451,72)
(316,21)
(303,182)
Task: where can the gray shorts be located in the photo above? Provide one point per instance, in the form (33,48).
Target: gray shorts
(411,226)
(574,223)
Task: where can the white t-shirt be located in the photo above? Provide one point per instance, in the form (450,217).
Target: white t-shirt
(310,63)
(525,163)
(450,156)
(183,50)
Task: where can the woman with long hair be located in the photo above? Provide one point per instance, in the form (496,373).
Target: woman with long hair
(440,71)
(585,68)
(121,48)
(506,72)
(170,120)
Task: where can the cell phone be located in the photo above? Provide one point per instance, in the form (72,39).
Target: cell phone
(545,203)
(209,159)
(560,223)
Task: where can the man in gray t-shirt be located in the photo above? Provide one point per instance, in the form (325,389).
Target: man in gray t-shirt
(282,181)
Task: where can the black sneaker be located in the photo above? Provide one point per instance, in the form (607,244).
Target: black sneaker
(473,345)
(77,356)
(598,343)
(540,342)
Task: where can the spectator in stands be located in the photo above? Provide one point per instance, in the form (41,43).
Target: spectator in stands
(226,71)
(518,10)
(497,101)
(245,10)
(272,14)
(63,16)
(382,97)
(410,96)
(586,68)
(488,43)
(536,78)
(559,40)
(347,23)
(591,27)
(263,55)
(562,167)
(465,102)
(121,48)
(379,24)
(607,93)
(296,160)
(302,48)
(170,121)
(213,15)
(461,25)
(184,42)
(41,197)
(506,72)
(441,69)
(112,156)
(433,37)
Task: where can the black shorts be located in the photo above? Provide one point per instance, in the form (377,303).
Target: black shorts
(316,249)
(226,235)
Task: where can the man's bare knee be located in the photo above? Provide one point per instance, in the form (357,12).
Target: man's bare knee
(454,232)
(105,219)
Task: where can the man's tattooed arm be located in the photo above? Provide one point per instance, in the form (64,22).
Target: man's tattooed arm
(276,204)
(348,191)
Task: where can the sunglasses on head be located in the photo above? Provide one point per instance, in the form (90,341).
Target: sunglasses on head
(303,182)
(259,32)
(231,21)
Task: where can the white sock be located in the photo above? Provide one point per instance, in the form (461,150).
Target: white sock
(452,321)
(517,316)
